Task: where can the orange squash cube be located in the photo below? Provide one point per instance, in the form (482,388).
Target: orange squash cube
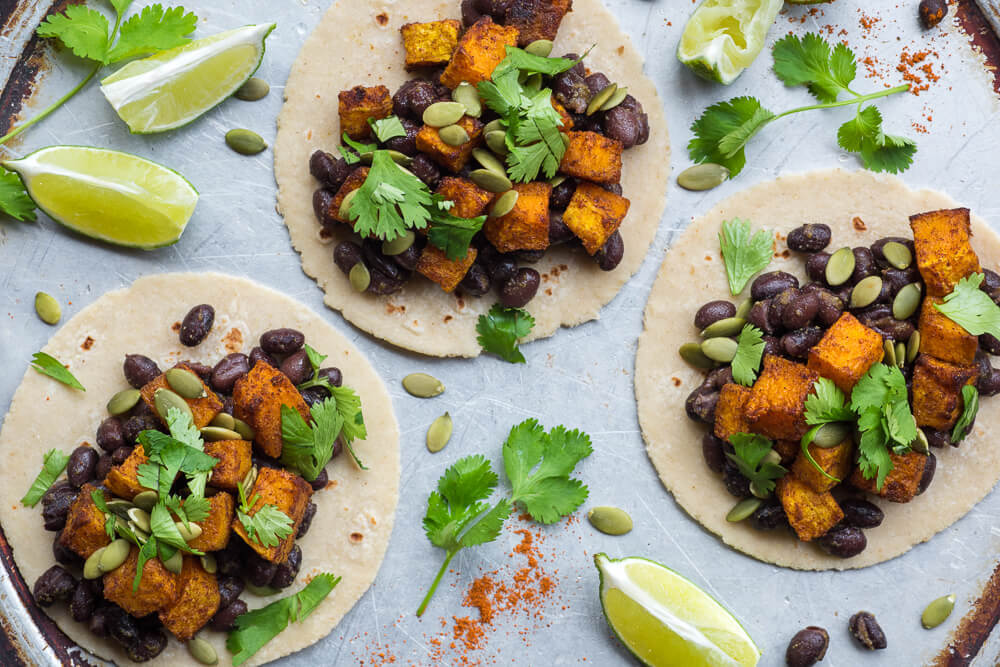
(435,266)
(730,411)
(944,254)
(943,339)
(526,226)
(937,391)
(202,409)
(235,458)
(537,19)
(593,157)
(353,182)
(216,529)
(197,600)
(158,588)
(480,50)
(567,119)
(123,479)
(452,158)
(470,199)
(594,214)
(902,482)
(290,494)
(359,104)
(84,531)
(846,352)
(257,400)
(776,407)
(788,450)
(836,461)
(429,44)
(810,514)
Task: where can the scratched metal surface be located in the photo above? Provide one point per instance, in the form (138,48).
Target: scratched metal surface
(580,377)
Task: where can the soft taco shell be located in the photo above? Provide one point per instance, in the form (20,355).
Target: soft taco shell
(355,513)
(361,45)
(860,208)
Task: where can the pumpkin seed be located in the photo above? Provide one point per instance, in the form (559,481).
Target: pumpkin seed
(493,126)
(840,267)
(146,500)
(254,89)
(175,563)
(703,176)
(223,420)
(467,95)
(937,611)
(140,535)
(261,591)
(216,433)
(439,433)
(617,98)
(504,204)
(830,435)
(422,385)
(744,309)
(897,254)
(123,401)
(743,509)
(900,354)
(47,308)
(140,518)
(490,180)
(91,566)
(185,383)
(691,353)
(489,161)
(602,96)
(497,142)
(250,478)
(533,82)
(772,457)
(610,520)
(400,158)
(245,142)
(400,244)
(907,301)
(866,291)
(202,651)
(889,357)
(913,347)
(244,429)
(729,326)
(443,114)
(540,47)
(113,555)
(164,399)
(344,212)
(557,180)
(759,492)
(921,445)
(209,564)
(719,349)
(454,135)
(359,277)
(119,507)
(191,531)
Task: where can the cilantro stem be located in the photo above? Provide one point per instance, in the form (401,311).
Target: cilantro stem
(437,580)
(860,99)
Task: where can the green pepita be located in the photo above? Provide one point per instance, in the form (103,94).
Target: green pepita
(719,349)
(758,492)
(217,433)
(113,555)
(454,135)
(703,176)
(897,254)
(557,180)
(772,457)
(140,534)
(175,563)
(47,308)
(439,433)
(921,445)
(344,211)
(224,420)
(744,309)
(691,353)
(202,651)
(146,500)
(617,98)
(400,244)
(91,566)
(540,47)
(744,509)
(937,611)
(164,399)
(185,383)
(422,385)
(123,401)
(254,89)
(119,507)
(907,301)
(493,126)
(244,429)
(889,356)
(140,518)
(830,435)
(400,158)
(602,96)
(489,161)
(866,291)
(490,180)
(900,354)
(209,564)
(610,520)
(359,277)
(443,114)
(191,531)
(250,478)
(533,82)
(467,95)
(261,591)
(245,142)
(504,204)
(913,347)
(497,142)
(729,326)
(839,267)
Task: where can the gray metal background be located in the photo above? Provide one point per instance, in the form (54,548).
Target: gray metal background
(580,377)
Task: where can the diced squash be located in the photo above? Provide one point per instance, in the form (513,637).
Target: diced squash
(353,182)
(846,352)
(429,44)
(944,254)
(196,603)
(203,409)
(593,157)
(567,119)
(452,158)
(788,450)
(836,461)
(901,483)
(257,400)
(942,338)
(810,514)
(776,408)
(290,494)
(536,19)
(470,199)
(84,531)
(158,588)
(526,226)
(235,459)
(123,479)
(730,411)
(359,104)
(216,529)
(594,214)
(435,265)
(937,391)
(480,50)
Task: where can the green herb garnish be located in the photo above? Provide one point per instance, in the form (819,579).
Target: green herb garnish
(14,199)
(884,420)
(501,328)
(749,452)
(971,308)
(48,365)
(355,149)
(970,401)
(749,352)
(169,456)
(827,404)
(450,233)
(268,525)
(744,254)
(53,464)
(387,128)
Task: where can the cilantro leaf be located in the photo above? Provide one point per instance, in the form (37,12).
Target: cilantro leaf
(169,456)
(749,452)
(452,234)
(164,529)
(537,144)
(53,464)
(749,352)
(970,403)
(882,384)
(308,448)
(889,153)
(390,201)
(48,365)
(808,61)
(744,255)
(14,199)
(827,403)
(884,420)
(354,150)
(151,30)
(83,30)
(146,552)
(501,328)
(387,128)
(856,134)
(734,122)
(519,60)
(349,409)
(502,94)
(971,308)
(264,523)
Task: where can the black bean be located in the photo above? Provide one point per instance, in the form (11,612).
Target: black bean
(597,82)
(876,248)
(134,426)
(119,455)
(258,571)
(109,434)
(990,344)
(700,404)
(571,90)
(611,253)
(328,170)
(830,305)
(346,255)
(307,520)
(297,367)
(285,575)
(800,310)
(776,309)
(529,256)
(770,284)
(104,464)
(383,284)
(469,13)
(413,98)
(519,289)
(425,169)
(867,631)
(225,619)
(930,466)
(843,541)
(407,144)
(810,237)
(712,312)
(321,480)
(139,370)
(736,483)
(560,198)
(331,375)
(56,503)
(807,647)
(772,346)
(816,266)
(230,588)
(899,278)
(282,341)
(864,265)
(196,324)
(476,281)
(54,584)
(860,513)
(375,260)
(879,317)
(937,438)
(711,449)
(229,369)
(98,624)
(85,599)
(408,258)
(203,371)
(314,395)
(769,517)
(614,188)
(797,344)
(991,283)
(989,385)
(718,377)
(82,466)
(229,560)
(324,208)
(63,554)
(759,316)
(622,125)
(149,645)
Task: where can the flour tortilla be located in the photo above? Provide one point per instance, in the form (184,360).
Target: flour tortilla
(139,319)
(693,274)
(350,47)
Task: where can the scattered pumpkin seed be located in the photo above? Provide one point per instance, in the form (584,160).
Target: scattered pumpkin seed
(454,135)
(617,98)
(490,180)
(719,349)
(254,89)
(209,564)
(467,95)
(439,433)
(400,244)
(497,142)
(540,47)
(691,353)
(610,520)
(602,96)
(913,347)
(123,401)
(245,142)
(113,555)
(489,161)
(494,125)
(224,420)
(164,399)
(866,292)
(729,326)
(744,509)
(359,277)
(900,354)
(91,566)
(889,357)
(140,518)
(759,492)
(907,301)
(185,383)
(345,205)
(921,445)
(937,611)
(261,591)
(216,433)
(839,267)
(897,254)
(202,651)
(422,385)
(703,176)
(146,500)
(830,435)
(191,531)
(443,114)
(175,563)
(504,204)
(47,308)
(244,429)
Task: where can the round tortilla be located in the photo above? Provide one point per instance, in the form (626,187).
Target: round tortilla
(860,207)
(351,46)
(355,512)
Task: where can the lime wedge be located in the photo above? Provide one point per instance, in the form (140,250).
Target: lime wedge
(666,621)
(173,88)
(723,37)
(107,195)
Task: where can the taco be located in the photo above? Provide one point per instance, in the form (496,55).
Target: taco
(368,74)
(258,515)
(853,347)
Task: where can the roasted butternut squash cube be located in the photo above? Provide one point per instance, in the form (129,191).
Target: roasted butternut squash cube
(196,603)
(788,450)
(594,214)
(84,530)
(810,514)
(901,483)
(353,182)
(452,158)
(158,588)
(846,352)
(203,409)
(216,529)
(479,51)
(435,265)
(526,226)
(359,104)
(836,461)
(290,494)
(536,19)
(257,400)
(730,411)
(235,459)
(942,338)
(776,407)
(567,119)
(937,391)
(470,199)
(429,44)
(593,157)
(123,479)
(944,254)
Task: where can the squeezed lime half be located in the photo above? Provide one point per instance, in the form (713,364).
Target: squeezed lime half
(723,37)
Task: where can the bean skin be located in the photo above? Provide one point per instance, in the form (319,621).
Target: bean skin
(797,344)
(770,284)
(229,369)
(307,519)
(82,466)
(843,541)
(139,370)
(282,341)
(54,584)
(801,310)
(258,354)
(330,171)
(930,466)
(864,265)
(611,253)
(759,316)
(518,290)
(712,312)
(809,238)
(197,324)
(110,435)
(476,281)
(225,619)
(230,588)
(816,266)
(84,600)
(297,367)
(861,514)
(712,450)
(769,517)
(285,575)
(700,404)
(807,647)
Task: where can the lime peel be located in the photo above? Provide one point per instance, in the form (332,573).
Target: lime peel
(723,37)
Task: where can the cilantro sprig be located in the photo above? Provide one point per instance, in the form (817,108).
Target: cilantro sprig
(749,455)
(268,525)
(53,464)
(501,328)
(46,364)
(971,308)
(749,352)
(745,253)
(970,408)
(884,420)
(724,129)
(825,404)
